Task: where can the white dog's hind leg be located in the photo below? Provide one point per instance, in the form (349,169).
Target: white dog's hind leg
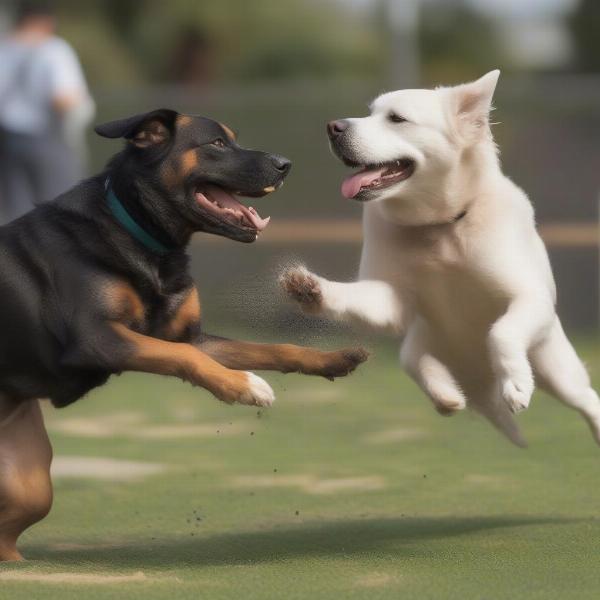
(372,302)
(560,372)
(429,373)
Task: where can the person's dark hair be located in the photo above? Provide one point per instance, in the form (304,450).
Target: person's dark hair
(28,9)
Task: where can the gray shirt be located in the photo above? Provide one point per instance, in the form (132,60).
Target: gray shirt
(31,76)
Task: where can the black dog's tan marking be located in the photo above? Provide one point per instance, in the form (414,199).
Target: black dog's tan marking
(124,304)
(152,355)
(230,133)
(82,298)
(184,120)
(188,163)
(186,320)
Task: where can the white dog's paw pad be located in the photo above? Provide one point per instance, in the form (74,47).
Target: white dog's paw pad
(259,392)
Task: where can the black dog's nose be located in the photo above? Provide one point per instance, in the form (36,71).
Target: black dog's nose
(335,128)
(281,163)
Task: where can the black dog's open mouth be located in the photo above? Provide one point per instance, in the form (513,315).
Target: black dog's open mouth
(376,177)
(223,205)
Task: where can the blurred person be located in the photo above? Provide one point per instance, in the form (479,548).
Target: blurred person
(45,107)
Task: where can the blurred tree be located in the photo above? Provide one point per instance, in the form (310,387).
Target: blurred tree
(124,42)
(267,39)
(98,29)
(457,43)
(584,24)
(188,40)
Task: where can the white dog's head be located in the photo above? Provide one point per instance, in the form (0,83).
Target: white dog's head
(412,147)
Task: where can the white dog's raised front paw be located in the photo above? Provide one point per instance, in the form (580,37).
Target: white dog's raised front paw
(517,391)
(258,393)
(303,287)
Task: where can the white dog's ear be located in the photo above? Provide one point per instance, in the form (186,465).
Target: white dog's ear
(472,104)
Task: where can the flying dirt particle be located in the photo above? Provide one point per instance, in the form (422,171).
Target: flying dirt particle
(274,470)
(297,512)
(252,433)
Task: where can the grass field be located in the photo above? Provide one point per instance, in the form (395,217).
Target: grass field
(352,489)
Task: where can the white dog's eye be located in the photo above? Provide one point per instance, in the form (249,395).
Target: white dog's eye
(394,118)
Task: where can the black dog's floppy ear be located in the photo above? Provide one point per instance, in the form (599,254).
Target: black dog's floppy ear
(143,130)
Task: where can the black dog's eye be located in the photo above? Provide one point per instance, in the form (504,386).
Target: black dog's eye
(219,143)
(394,118)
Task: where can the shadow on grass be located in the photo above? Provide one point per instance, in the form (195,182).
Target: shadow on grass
(329,538)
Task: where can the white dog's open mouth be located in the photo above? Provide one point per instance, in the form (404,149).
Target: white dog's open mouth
(377,177)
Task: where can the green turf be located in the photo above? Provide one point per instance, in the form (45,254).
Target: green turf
(352,489)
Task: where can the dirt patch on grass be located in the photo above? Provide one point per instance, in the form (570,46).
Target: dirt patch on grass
(106,469)
(70,547)
(311,484)
(393,436)
(134,426)
(376,580)
(157,432)
(102,426)
(490,481)
(81,578)
(347,484)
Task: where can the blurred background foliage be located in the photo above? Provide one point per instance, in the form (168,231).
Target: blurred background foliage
(237,40)
(231,40)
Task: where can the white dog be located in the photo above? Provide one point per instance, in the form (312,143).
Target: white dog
(451,258)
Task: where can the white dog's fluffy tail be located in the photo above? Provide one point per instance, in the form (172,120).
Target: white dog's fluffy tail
(503,420)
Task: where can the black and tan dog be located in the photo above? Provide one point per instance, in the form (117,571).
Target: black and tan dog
(97,283)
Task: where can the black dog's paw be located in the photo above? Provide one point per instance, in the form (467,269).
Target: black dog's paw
(343,362)
(303,287)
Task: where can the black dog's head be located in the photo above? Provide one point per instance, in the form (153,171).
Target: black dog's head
(194,169)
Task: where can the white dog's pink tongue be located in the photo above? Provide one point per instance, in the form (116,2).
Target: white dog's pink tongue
(352,185)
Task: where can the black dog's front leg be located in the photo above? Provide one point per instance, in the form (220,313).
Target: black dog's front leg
(285,358)
(233,354)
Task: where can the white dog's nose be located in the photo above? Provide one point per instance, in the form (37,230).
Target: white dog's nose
(336,128)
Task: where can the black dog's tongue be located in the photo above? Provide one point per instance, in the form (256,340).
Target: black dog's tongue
(227,201)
